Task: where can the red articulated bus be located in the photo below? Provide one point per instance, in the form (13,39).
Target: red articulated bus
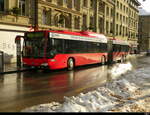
(120,49)
(63,49)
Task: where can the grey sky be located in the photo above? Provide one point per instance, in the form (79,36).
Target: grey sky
(145,5)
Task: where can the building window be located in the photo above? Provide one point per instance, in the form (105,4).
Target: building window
(101,25)
(84,22)
(91,27)
(120,18)
(112,12)
(120,30)
(123,32)
(77,21)
(85,3)
(111,28)
(92,4)
(107,27)
(49,0)
(60,2)
(117,16)
(62,20)
(44,17)
(117,29)
(120,6)
(70,3)
(22,7)
(76,4)
(107,11)
(1,5)
(101,7)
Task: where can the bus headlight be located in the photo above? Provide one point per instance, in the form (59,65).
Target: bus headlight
(44,64)
(52,60)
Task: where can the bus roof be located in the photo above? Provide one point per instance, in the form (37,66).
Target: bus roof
(82,35)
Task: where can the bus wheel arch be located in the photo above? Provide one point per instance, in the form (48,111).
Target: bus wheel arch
(70,63)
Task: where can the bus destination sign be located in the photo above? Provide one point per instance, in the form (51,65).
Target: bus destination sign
(35,34)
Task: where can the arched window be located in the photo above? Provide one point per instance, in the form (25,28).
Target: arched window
(59,20)
(62,20)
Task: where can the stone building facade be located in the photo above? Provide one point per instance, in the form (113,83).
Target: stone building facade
(12,22)
(144,33)
(114,18)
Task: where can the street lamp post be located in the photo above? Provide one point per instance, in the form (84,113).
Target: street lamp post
(114,19)
(148,51)
(35,15)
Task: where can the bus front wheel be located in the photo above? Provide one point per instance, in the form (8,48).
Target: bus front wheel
(70,64)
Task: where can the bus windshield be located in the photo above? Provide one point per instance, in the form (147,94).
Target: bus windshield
(34,45)
(54,46)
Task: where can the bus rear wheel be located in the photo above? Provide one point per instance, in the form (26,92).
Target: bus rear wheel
(70,64)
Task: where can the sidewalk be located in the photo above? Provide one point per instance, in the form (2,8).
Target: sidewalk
(11,68)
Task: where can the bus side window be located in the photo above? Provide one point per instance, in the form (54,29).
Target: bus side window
(89,47)
(66,46)
(57,45)
(128,48)
(125,48)
(69,46)
(105,47)
(102,48)
(119,48)
(114,48)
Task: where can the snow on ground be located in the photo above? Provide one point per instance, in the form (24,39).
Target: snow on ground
(129,93)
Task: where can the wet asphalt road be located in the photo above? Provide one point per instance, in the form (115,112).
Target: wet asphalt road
(21,90)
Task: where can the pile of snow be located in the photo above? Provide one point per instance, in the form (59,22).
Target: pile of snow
(119,95)
(120,69)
